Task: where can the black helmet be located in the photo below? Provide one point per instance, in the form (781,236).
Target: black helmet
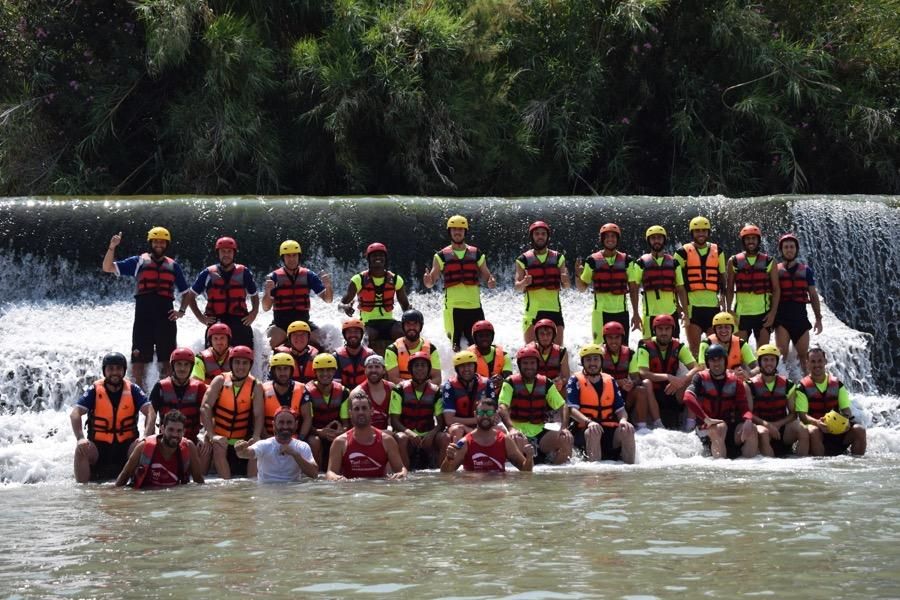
(114,358)
(715,351)
(414,316)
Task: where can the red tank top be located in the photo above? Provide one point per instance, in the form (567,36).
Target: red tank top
(379,411)
(163,472)
(486,458)
(364,461)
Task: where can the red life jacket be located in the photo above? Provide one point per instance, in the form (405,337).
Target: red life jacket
(483,368)
(769,405)
(352,369)
(179,463)
(719,405)
(371,296)
(460,271)
(658,277)
(466,401)
(753,279)
(379,411)
(618,369)
(188,404)
(597,408)
(109,423)
(735,357)
(418,413)
(610,279)
(700,273)
(303,370)
(211,364)
(525,406)
(794,287)
(549,367)
(364,461)
(821,402)
(233,415)
(272,403)
(291,292)
(324,412)
(668,366)
(403,355)
(544,275)
(155,277)
(485,459)
(226,297)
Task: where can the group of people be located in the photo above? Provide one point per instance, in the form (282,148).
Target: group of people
(381,408)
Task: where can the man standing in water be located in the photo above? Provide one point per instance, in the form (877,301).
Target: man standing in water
(363,451)
(280,458)
(661,281)
(798,289)
(463,267)
(112,405)
(541,273)
(753,275)
(163,461)
(487,448)
(703,269)
(158,279)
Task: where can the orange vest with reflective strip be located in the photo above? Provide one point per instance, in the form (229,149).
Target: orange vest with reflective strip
(272,404)
(735,358)
(232,415)
(482,367)
(403,355)
(108,423)
(701,274)
(597,408)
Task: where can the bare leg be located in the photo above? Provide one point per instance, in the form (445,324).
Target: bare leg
(783,341)
(694,332)
(403,442)
(625,441)
(858,444)
(560,334)
(795,432)
(746,433)
(765,444)
(717,440)
(277,336)
(205,452)
(558,443)
(315,444)
(220,458)
(137,373)
(816,441)
(802,347)
(592,446)
(86,454)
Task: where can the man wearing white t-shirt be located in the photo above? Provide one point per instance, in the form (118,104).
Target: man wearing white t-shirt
(280,458)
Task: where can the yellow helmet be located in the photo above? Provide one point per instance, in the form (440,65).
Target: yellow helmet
(298,326)
(159,233)
(768,350)
(836,422)
(590,349)
(324,361)
(289,247)
(281,359)
(699,223)
(457,221)
(724,318)
(463,358)
(656,230)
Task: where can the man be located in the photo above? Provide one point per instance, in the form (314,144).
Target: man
(718,397)
(818,394)
(280,391)
(164,461)
(226,286)
(182,393)
(213,361)
(608,272)
(493,361)
(376,289)
(487,448)
(798,289)
(620,362)
(397,355)
(233,410)
(112,405)
(662,283)
(417,417)
(159,278)
(600,422)
(280,458)
(463,267)
(287,290)
(351,357)
(300,350)
(378,390)
(740,358)
(752,274)
(540,273)
(703,269)
(553,362)
(461,393)
(524,401)
(364,450)
(773,408)
(323,407)
(658,362)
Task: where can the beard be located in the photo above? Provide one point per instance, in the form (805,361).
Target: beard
(171,442)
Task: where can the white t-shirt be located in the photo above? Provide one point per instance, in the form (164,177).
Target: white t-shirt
(275,466)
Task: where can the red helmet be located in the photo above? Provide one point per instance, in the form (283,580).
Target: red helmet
(664,320)
(545,323)
(218,329)
(786,237)
(226,242)
(610,227)
(528,351)
(241,352)
(182,354)
(613,328)
(351,323)
(538,225)
(375,247)
(420,355)
(751,230)
(482,326)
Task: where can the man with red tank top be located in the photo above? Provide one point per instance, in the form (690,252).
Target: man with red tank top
(363,451)
(487,448)
(161,461)
(378,390)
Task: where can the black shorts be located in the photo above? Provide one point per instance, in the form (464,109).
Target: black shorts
(793,317)
(539,456)
(752,323)
(554,316)
(702,316)
(383,328)
(283,318)
(237,464)
(732,449)
(670,410)
(463,320)
(152,329)
(607,452)
(111,460)
(835,444)
(419,458)
(241,335)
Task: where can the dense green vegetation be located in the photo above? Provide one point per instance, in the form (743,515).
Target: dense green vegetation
(448,97)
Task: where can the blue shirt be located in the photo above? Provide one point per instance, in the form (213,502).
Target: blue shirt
(315,284)
(573,395)
(199,286)
(128,267)
(89,399)
(448,395)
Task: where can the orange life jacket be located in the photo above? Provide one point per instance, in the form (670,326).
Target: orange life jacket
(460,271)
(403,355)
(272,403)
(489,370)
(701,274)
(155,277)
(597,408)
(735,358)
(109,423)
(232,416)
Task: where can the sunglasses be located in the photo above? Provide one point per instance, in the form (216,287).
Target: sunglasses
(485,413)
